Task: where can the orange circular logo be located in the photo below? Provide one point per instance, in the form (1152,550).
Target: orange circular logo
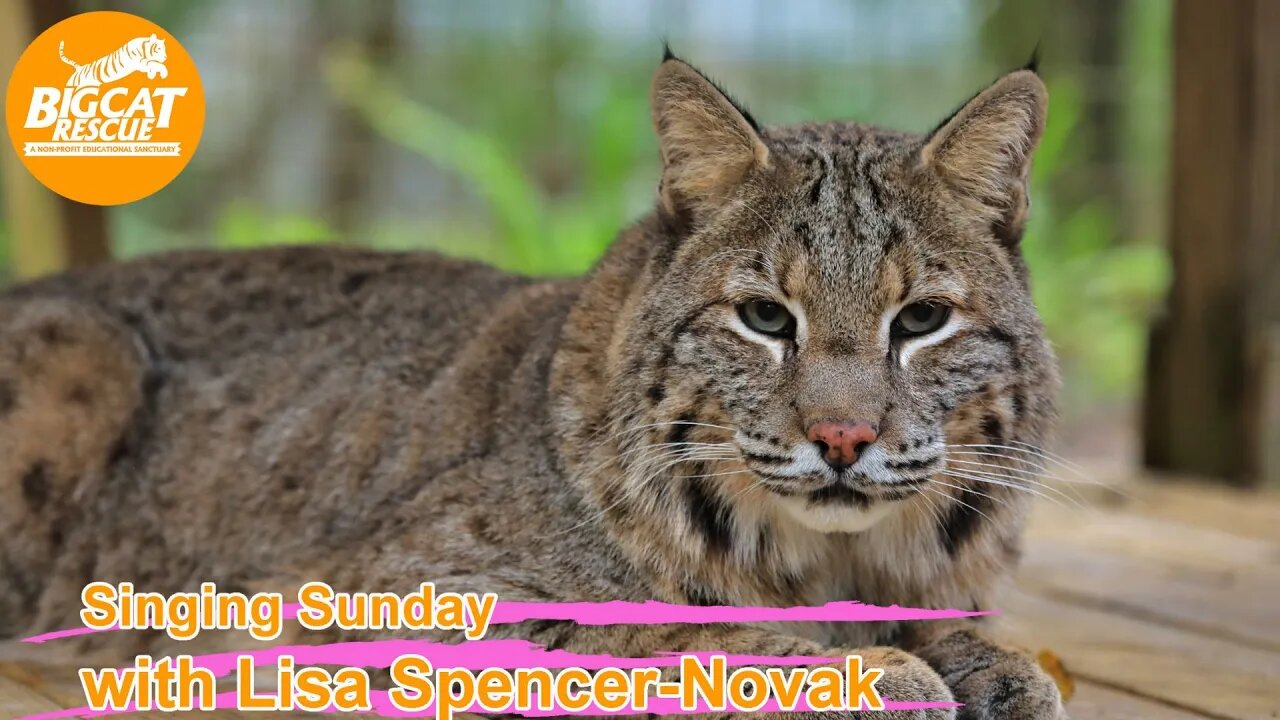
(105,108)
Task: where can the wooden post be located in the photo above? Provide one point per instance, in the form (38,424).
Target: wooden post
(1213,387)
(30,209)
(48,232)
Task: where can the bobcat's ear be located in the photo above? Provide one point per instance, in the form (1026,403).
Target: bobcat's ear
(984,150)
(153,36)
(708,143)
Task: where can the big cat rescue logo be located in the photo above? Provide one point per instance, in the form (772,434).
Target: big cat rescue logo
(105,108)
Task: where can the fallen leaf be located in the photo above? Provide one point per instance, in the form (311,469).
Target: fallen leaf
(1052,664)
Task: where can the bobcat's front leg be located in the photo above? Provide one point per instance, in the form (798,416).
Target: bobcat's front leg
(906,677)
(993,680)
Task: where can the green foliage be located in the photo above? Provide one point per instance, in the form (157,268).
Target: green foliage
(1095,294)
(540,233)
(245,225)
(513,199)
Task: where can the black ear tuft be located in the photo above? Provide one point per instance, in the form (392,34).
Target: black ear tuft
(1034,63)
(708,144)
(668,54)
(983,152)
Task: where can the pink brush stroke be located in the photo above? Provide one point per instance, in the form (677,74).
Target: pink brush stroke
(383,707)
(474,655)
(479,654)
(652,612)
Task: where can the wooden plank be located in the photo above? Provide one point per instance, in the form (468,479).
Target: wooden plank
(58,684)
(1160,541)
(1232,604)
(1230,510)
(1196,578)
(1183,499)
(17,698)
(1172,667)
(1095,702)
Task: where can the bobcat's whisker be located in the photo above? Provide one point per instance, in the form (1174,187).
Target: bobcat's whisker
(1024,451)
(1074,468)
(954,499)
(1023,465)
(669,461)
(1013,484)
(1020,483)
(955,458)
(1034,452)
(1050,454)
(1042,458)
(711,475)
(934,512)
(648,459)
(1026,475)
(691,454)
(962,488)
(635,488)
(670,423)
(644,453)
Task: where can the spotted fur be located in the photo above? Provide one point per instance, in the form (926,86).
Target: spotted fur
(374,420)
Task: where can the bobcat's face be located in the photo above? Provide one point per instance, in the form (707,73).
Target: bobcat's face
(840,305)
(833,295)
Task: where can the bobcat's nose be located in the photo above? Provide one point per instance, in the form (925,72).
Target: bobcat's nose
(841,442)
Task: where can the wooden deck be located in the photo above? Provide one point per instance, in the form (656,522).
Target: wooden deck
(1162,601)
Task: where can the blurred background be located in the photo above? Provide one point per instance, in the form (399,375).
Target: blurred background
(518,133)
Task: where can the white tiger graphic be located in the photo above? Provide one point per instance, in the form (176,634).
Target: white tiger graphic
(144,54)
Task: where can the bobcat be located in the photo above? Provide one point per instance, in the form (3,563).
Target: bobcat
(769,392)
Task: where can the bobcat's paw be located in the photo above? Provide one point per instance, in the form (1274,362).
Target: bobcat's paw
(992,681)
(906,678)
(1002,691)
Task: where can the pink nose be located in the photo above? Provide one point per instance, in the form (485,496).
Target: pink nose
(841,442)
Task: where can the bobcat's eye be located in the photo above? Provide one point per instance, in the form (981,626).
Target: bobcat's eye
(920,318)
(767,318)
